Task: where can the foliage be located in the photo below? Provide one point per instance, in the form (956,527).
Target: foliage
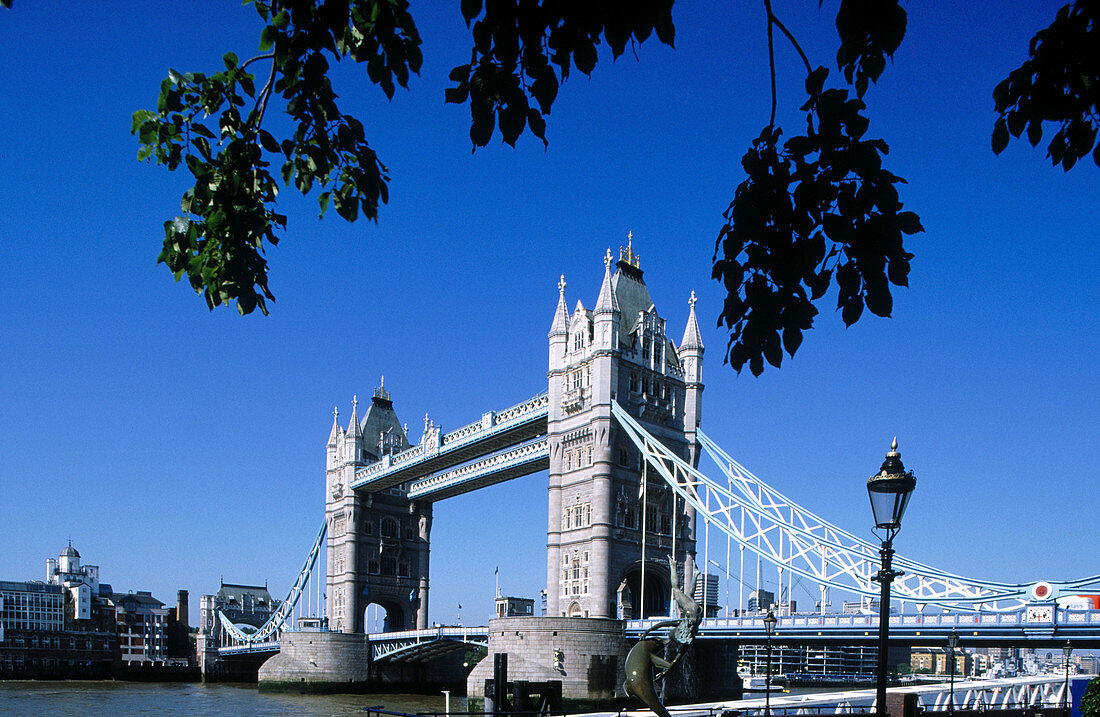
(1090,701)
(206,123)
(1059,83)
(518,44)
(816,211)
(818,207)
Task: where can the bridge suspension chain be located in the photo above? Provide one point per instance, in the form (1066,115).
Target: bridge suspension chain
(274,625)
(763,520)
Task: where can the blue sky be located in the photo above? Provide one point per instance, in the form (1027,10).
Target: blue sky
(177,446)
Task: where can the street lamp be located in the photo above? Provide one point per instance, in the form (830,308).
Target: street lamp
(952,643)
(770,621)
(889,491)
(1067,651)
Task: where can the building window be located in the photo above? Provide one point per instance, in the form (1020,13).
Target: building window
(389,565)
(372,566)
(629,519)
(569,460)
(634,382)
(389,528)
(368,527)
(624,458)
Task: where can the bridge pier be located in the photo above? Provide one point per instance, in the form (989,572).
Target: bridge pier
(341,662)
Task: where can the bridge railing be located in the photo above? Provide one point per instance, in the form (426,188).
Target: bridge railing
(1058,617)
(522,412)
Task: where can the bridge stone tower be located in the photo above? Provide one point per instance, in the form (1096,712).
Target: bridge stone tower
(617,351)
(377,549)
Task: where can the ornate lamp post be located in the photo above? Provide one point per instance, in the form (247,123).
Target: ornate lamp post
(769,628)
(952,643)
(889,490)
(1066,651)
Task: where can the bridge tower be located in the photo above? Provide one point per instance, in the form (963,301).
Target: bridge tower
(377,547)
(617,351)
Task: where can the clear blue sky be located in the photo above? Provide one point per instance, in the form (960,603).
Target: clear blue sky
(176,446)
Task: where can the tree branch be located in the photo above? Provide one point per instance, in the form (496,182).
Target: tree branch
(261,101)
(250,60)
(771,58)
(794,42)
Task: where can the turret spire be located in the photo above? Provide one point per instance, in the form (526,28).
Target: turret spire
(607,302)
(561,314)
(692,338)
(353,426)
(335,432)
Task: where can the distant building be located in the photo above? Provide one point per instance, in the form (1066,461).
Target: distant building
(142,624)
(243,605)
(760,600)
(59,628)
(706,593)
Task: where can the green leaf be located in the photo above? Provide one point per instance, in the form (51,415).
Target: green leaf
(267,38)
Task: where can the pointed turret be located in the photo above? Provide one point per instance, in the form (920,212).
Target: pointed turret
(608,301)
(560,326)
(335,432)
(692,338)
(559,330)
(354,429)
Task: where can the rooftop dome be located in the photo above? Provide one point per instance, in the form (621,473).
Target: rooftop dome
(69,552)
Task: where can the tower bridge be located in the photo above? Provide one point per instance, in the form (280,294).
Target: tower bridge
(619,433)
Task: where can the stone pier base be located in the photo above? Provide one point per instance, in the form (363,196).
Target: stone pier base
(592,655)
(318,661)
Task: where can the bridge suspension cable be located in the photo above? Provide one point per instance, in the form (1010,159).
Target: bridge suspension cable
(763,520)
(274,625)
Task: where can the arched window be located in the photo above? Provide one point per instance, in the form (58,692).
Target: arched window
(389,528)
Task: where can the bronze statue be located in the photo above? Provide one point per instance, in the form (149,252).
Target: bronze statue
(643,657)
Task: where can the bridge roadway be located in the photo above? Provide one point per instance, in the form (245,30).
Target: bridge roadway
(518,426)
(1005,629)
(1038,690)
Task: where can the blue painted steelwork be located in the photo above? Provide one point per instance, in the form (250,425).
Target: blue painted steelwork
(526,459)
(1042,624)
(415,645)
(495,431)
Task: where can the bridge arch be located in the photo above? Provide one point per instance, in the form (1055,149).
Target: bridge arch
(657,588)
(382,615)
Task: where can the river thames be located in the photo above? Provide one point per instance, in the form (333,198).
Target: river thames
(78,699)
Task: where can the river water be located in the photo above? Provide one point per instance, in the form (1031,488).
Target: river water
(126,699)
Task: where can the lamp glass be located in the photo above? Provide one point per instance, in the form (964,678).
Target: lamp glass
(889,496)
(770,621)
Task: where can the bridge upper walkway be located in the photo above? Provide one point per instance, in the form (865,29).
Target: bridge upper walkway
(495,431)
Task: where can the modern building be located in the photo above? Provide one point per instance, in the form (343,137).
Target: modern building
(760,600)
(59,628)
(706,594)
(142,625)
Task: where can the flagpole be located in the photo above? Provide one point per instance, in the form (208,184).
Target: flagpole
(641,598)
